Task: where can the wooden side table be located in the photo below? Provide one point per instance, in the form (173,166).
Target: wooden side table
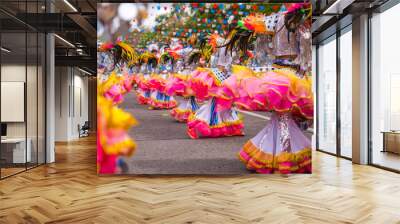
(391,141)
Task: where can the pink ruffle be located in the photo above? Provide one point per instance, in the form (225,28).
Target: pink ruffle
(106,163)
(114,94)
(270,92)
(179,115)
(127,84)
(142,100)
(144,86)
(157,84)
(175,86)
(162,104)
(197,127)
(202,83)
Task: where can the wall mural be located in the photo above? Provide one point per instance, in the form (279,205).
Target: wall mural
(204,88)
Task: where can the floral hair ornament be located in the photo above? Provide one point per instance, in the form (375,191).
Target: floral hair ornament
(107,46)
(254,23)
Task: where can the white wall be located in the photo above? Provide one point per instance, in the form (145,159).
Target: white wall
(71,94)
(81,94)
(33,127)
(12,73)
(62,82)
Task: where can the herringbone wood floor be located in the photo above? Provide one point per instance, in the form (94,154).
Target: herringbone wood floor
(69,191)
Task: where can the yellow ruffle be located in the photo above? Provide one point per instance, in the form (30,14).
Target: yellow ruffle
(181,76)
(243,72)
(125,147)
(181,111)
(120,118)
(220,125)
(267,160)
(213,76)
(104,86)
(111,117)
(163,102)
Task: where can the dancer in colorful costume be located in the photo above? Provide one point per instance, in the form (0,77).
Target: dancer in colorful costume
(118,78)
(147,63)
(285,90)
(177,85)
(158,98)
(208,121)
(113,141)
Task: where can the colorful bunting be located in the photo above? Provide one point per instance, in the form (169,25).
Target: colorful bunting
(185,19)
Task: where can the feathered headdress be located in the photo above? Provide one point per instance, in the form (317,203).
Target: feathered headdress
(149,59)
(194,56)
(204,52)
(216,41)
(245,33)
(122,52)
(239,39)
(165,57)
(128,54)
(296,14)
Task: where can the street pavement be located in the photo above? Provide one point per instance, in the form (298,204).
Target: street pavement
(163,147)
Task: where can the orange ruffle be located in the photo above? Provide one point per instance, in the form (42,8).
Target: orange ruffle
(180,115)
(284,162)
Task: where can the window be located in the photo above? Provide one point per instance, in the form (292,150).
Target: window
(346,92)
(385,89)
(326,77)
(22,76)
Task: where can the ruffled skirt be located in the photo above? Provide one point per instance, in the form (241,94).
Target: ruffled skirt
(279,90)
(143,96)
(159,100)
(186,107)
(207,122)
(280,147)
